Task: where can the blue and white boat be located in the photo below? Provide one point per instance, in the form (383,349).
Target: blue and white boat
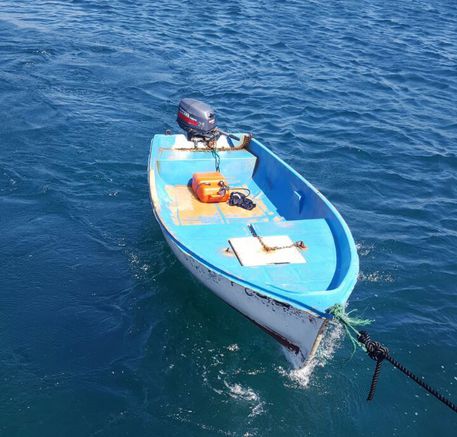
(286,291)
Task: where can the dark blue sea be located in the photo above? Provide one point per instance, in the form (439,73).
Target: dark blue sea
(102,331)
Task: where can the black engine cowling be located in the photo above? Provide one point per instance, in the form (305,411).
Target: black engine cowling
(197,118)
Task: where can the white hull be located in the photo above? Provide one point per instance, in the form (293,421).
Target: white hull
(300,331)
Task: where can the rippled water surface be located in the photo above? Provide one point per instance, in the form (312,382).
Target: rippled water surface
(103,332)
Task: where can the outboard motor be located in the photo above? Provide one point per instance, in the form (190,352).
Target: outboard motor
(198,119)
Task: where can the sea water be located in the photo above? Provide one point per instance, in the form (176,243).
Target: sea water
(103,332)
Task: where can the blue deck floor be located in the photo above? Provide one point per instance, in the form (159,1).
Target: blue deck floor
(208,237)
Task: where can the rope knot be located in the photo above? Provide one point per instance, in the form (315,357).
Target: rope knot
(376,351)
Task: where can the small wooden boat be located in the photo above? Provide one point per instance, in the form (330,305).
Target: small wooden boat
(281,264)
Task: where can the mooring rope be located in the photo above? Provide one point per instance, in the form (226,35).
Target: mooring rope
(216,156)
(350,323)
(378,352)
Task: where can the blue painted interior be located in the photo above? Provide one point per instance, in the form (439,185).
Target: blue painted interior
(293,207)
(177,167)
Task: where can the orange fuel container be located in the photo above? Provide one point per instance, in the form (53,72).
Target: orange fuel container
(210,187)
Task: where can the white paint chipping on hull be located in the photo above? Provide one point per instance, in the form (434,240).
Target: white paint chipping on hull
(298,330)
